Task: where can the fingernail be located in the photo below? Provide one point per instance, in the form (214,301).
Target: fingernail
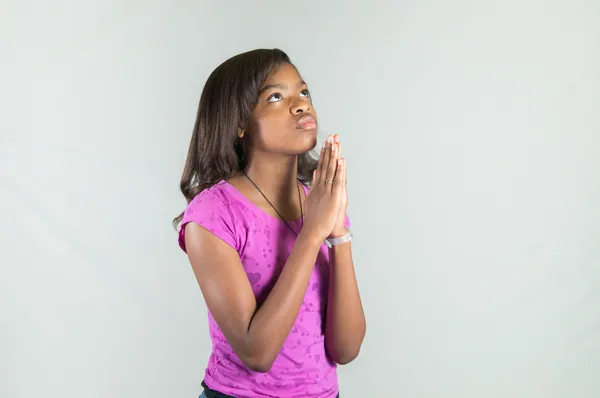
(329,139)
(324,144)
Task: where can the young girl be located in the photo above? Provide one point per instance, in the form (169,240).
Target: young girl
(272,257)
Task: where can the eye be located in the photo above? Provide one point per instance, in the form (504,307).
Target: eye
(275,97)
(305,93)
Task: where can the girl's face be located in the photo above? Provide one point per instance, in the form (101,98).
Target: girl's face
(284,120)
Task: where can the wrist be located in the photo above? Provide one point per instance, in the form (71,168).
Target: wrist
(337,233)
(311,239)
(332,242)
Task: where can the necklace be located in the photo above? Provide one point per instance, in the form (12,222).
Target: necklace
(274,208)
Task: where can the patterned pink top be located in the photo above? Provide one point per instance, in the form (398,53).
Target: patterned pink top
(302,368)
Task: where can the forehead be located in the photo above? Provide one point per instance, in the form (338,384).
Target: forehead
(283,74)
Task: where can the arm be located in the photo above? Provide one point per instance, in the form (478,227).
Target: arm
(255,334)
(346,326)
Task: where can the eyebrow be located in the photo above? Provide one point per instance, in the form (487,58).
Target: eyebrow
(279,86)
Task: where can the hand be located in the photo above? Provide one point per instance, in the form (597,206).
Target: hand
(339,228)
(322,204)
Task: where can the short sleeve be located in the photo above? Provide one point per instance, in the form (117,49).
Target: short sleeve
(210,211)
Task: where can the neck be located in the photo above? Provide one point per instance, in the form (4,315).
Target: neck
(277,178)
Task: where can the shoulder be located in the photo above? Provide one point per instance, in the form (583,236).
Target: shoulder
(213,197)
(212,209)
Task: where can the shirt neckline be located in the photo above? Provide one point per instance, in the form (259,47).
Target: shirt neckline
(252,206)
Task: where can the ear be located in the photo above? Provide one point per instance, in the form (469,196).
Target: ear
(240,132)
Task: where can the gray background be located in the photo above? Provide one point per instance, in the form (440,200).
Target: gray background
(472,136)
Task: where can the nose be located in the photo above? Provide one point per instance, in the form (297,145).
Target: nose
(299,107)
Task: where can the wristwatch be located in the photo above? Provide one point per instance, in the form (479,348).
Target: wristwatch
(336,241)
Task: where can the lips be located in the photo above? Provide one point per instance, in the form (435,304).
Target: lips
(306,122)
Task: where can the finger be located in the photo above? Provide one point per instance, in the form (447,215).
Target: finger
(325,163)
(343,169)
(316,174)
(338,182)
(321,161)
(332,167)
(339,155)
(312,183)
(344,180)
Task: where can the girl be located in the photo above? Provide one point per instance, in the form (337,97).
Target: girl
(271,255)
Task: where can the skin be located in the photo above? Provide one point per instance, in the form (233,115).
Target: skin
(273,142)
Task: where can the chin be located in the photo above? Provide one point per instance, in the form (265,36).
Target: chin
(310,140)
(300,142)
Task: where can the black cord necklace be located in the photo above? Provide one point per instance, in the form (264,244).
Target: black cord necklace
(274,208)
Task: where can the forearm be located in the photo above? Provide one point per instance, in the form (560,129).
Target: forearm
(273,321)
(345,326)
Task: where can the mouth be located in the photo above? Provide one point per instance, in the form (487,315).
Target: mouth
(307,122)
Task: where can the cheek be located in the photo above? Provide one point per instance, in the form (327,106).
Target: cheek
(270,127)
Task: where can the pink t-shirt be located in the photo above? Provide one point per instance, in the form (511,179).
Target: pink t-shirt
(302,368)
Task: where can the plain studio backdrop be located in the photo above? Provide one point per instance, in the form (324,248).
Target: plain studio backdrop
(472,134)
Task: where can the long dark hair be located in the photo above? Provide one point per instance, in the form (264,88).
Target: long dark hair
(228,98)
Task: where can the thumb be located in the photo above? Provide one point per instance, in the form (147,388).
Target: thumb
(312,183)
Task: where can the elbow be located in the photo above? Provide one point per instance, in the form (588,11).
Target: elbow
(259,366)
(347,356)
(256,355)
(259,363)
(344,352)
